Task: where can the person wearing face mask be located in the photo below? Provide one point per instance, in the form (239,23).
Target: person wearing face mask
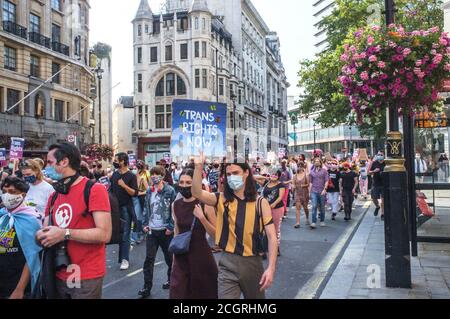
(333,189)
(98,172)
(124,187)
(40,191)
(274,192)
(158,225)
(319,184)
(348,182)
(363,178)
(242,217)
(300,184)
(19,252)
(376,170)
(194,274)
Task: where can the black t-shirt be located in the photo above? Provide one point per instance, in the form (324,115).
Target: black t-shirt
(12,261)
(130,180)
(334,178)
(272,194)
(99,174)
(348,180)
(378,177)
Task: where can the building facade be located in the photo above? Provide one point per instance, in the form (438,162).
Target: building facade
(38,39)
(122,125)
(203,50)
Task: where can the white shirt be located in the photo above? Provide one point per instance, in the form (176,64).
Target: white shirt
(38,196)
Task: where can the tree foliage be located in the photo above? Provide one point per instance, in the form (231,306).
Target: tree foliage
(318,78)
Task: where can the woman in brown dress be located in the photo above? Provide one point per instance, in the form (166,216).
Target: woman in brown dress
(194,275)
(301,185)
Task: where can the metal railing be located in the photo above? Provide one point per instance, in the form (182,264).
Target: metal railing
(38,38)
(61,48)
(15,29)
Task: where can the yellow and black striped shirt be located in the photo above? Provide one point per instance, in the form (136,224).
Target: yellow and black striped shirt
(238,226)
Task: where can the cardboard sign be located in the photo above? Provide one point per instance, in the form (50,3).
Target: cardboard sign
(281,152)
(198,126)
(132,160)
(16,150)
(363,155)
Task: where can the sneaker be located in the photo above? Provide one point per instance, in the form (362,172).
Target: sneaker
(377,210)
(124,265)
(166,285)
(297,226)
(322,224)
(382,217)
(313,226)
(333,217)
(144,292)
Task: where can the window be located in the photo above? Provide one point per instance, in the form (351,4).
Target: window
(204,24)
(139,30)
(146,118)
(197,49)
(10,58)
(183,51)
(168,52)
(160,88)
(181,87)
(56,4)
(59,110)
(146,28)
(34,66)
(56,33)
(35,23)
(197,78)
(140,117)
(9,11)
(39,106)
(196,23)
(204,46)
(170,84)
(221,87)
(159,116)
(12,97)
(139,55)
(153,54)
(156,27)
(55,69)
(204,78)
(139,83)
(169,116)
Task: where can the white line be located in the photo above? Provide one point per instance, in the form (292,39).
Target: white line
(128,276)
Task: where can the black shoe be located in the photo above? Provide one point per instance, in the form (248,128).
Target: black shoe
(377,210)
(279,254)
(382,217)
(166,285)
(333,217)
(341,209)
(264,256)
(144,292)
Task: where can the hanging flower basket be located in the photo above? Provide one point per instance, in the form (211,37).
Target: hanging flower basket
(99,152)
(394,67)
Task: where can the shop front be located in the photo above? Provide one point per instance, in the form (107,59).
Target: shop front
(152,150)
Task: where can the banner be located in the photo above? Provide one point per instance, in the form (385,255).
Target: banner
(2,157)
(198,126)
(16,150)
(281,152)
(167,157)
(132,160)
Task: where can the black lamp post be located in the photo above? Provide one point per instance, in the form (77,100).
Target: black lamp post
(314,127)
(99,71)
(397,246)
(294,121)
(233,99)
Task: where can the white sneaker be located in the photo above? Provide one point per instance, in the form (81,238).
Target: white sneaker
(313,225)
(322,224)
(124,265)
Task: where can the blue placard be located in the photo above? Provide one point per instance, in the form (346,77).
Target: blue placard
(2,154)
(198,126)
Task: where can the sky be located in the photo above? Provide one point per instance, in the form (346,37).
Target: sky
(110,22)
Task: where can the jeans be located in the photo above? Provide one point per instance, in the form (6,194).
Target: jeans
(137,233)
(333,200)
(347,197)
(156,239)
(318,201)
(124,247)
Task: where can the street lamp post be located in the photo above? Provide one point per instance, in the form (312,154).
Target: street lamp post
(99,71)
(314,127)
(397,246)
(294,121)
(233,99)
(351,142)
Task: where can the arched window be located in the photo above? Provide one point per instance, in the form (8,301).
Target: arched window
(160,88)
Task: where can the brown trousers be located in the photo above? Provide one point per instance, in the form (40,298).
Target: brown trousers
(240,275)
(90,289)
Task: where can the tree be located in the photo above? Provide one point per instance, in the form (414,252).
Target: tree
(319,77)
(103,51)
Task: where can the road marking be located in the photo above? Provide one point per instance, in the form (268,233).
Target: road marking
(134,273)
(310,289)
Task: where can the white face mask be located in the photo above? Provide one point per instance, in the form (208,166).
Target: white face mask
(12,201)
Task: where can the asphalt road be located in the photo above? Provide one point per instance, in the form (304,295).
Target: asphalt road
(302,251)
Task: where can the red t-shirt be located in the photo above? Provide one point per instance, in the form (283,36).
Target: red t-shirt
(67,213)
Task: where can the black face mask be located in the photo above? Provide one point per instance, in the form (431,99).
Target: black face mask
(185,192)
(116,165)
(63,186)
(216,166)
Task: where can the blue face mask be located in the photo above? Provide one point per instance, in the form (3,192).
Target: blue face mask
(11,166)
(30,179)
(51,173)
(380,158)
(235,182)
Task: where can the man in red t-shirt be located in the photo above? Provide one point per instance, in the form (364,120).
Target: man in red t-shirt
(84,234)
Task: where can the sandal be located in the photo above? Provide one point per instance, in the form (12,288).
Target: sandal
(297,226)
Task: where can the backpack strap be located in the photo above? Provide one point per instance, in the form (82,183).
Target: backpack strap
(259,211)
(87,194)
(50,211)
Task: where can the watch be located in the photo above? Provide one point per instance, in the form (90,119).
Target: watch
(67,235)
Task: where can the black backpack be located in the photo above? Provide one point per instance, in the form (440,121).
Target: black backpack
(117,222)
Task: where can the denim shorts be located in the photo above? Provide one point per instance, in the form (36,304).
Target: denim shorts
(377,192)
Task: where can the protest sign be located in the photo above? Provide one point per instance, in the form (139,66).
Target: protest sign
(2,157)
(132,160)
(16,150)
(363,155)
(198,126)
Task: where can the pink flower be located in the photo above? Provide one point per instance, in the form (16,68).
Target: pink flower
(344,57)
(381,65)
(364,76)
(406,52)
(434,30)
(447,67)
(419,63)
(438,59)
(370,40)
(373,58)
(353,71)
(376,28)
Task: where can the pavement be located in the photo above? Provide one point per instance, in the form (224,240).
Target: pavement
(305,264)
(360,273)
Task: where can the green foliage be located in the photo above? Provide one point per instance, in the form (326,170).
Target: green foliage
(318,78)
(103,51)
